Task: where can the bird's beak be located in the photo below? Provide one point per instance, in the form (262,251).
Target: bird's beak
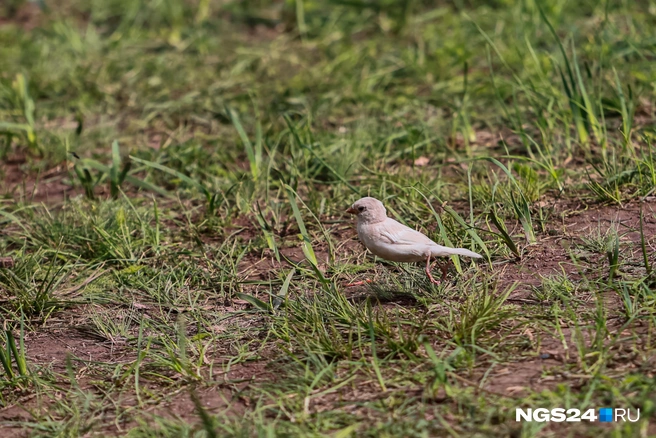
(352,210)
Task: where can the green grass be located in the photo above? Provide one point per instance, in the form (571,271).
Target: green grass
(175,175)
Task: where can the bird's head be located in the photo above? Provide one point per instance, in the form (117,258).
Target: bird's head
(368,210)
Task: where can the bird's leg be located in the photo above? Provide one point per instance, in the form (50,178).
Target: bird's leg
(428,272)
(358,283)
(444,267)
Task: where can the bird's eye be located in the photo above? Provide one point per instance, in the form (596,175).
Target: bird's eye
(362,208)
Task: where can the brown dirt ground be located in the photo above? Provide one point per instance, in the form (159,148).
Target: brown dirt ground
(27,16)
(549,256)
(48,187)
(52,348)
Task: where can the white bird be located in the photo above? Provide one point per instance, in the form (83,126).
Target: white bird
(393,241)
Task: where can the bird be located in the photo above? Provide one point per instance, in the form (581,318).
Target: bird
(391,240)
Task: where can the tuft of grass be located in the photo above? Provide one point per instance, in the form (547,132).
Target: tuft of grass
(13,356)
(481,312)
(520,203)
(114,173)
(22,109)
(34,281)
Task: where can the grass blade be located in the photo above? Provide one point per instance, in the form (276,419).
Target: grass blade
(255,301)
(521,206)
(307,242)
(504,233)
(254,156)
(374,355)
(643,245)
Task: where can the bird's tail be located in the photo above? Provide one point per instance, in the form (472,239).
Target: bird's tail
(462,252)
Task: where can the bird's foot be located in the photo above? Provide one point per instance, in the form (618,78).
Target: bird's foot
(443,267)
(432,280)
(358,283)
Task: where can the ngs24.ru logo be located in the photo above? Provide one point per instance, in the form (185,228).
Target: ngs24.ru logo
(606,415)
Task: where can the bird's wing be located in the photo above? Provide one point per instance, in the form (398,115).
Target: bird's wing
(396,233)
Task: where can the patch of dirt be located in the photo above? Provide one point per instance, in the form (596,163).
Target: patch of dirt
(514,379)
(224,395)
(27,16)
(48,187)
(54,345)
(262,265)
(626,219)
(551,255)
(51,348)
(543,369)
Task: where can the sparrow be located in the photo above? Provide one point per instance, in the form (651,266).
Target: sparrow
(391,240)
